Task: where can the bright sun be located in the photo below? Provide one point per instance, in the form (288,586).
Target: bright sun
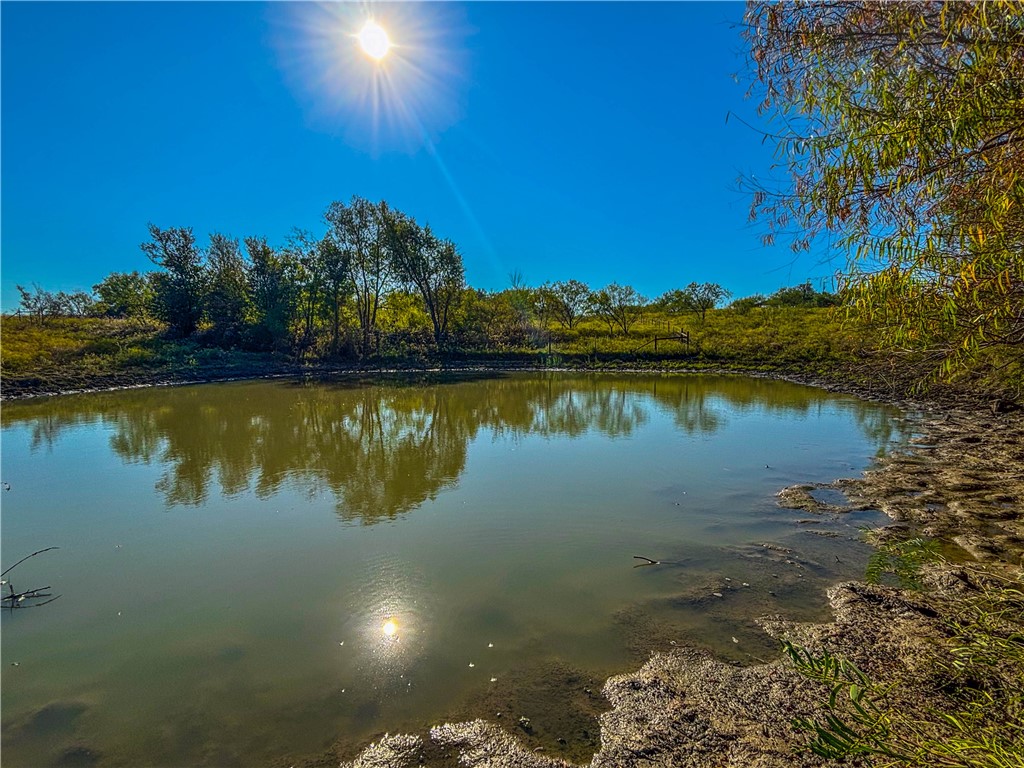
(374,40)
(390,627)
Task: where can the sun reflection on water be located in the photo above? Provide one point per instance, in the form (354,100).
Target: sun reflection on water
(387,618)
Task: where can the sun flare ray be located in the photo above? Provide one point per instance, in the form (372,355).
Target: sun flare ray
(384,74)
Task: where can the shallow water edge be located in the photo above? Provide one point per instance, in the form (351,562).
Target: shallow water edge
(959,481)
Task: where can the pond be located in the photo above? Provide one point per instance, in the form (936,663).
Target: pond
(260,572)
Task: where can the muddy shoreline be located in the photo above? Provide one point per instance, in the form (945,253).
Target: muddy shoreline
(851,380)
(960,479)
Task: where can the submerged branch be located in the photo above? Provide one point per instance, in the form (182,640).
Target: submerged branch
(26,558)
(649,561)
(14,599)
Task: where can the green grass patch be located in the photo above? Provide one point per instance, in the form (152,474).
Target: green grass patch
(73,353)
(81,353)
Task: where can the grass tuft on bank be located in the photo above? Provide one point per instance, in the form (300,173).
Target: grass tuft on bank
(966,711)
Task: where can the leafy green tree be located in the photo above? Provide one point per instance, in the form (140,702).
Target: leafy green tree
(428,264)
(41,303)
(696,297)
(523,303)
(75,303)
(747,303)
(675,302)
(303,251)
(405,322)
(620,306)
(360,230)
(272,291)
(180,289)
(541,307)
(124,294)
(900,127)
(446,280)
(227,300)
(506,320)
(38,302)
(469,321)
(568,301)
(802,296)
(335,261)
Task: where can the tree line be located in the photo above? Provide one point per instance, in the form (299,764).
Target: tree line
(317,292)
(373,281)
(899,126)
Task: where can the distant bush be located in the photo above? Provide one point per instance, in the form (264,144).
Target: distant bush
(802,296)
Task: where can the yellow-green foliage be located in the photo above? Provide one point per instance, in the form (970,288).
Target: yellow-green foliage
(27,345)
(73,353)
(62,353)
(899,124)
(762,335)
(84,347)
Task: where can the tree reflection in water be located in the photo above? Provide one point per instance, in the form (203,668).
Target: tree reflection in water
(384,448)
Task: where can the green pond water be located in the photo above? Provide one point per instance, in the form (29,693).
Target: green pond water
(261,572)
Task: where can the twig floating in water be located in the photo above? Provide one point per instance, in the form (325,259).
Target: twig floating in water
(14,599)
(26,558)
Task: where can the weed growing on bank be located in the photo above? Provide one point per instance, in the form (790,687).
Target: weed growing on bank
(970,711)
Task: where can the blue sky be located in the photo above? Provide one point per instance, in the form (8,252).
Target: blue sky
(561,140)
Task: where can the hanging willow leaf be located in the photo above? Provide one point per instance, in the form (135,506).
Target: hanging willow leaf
(903,129)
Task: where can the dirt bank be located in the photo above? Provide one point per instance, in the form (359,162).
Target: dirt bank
(859,380)
(961,479)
